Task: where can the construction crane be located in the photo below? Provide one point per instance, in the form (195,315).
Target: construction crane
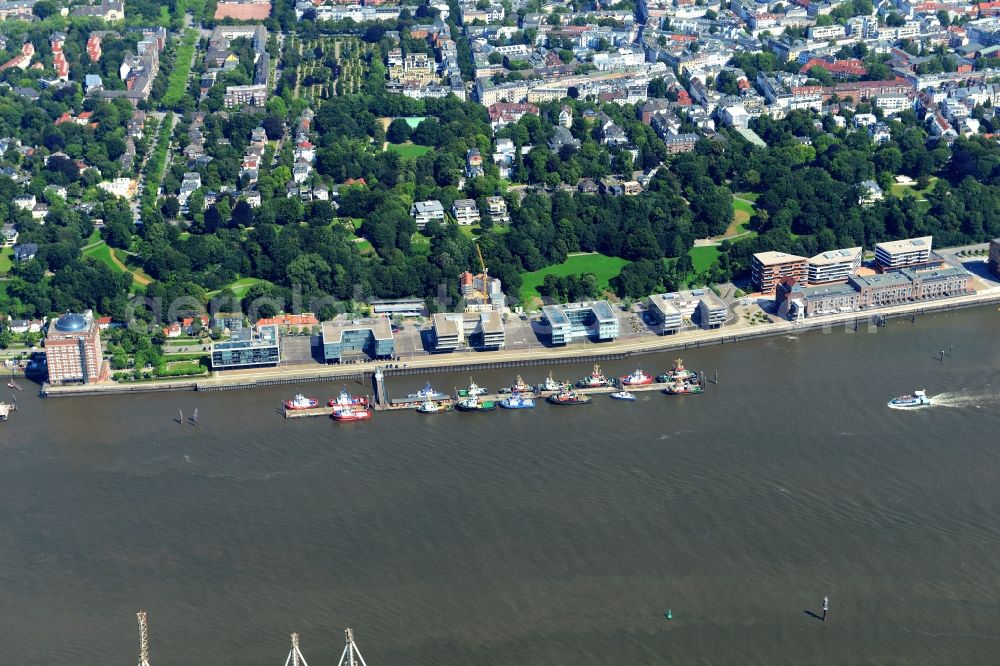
(351,656)
(482,264)
(295,655)
(143,639)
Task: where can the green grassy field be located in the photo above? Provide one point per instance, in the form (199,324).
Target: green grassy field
(748,196)
(742,211)
(408,151)
(242,286)
(901,191)
(602,266)
(703,257)
(115,260)
(6,260)
(139,276)
(102,253)
(177,80)
(420,243)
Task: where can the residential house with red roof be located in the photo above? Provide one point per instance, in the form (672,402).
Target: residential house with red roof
(290,322)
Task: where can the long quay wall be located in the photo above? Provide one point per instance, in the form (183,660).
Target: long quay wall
(453,362)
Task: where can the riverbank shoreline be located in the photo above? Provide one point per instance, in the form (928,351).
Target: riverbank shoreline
(471,361)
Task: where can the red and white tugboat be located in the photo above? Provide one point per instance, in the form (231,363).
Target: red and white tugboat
(345,399)
(351,413)
(301,402)
(637,378)
(595,379)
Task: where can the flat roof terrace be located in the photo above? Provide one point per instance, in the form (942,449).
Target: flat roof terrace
(380,327)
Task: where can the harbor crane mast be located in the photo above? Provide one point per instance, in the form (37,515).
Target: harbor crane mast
(351,656)
(143,639)
(295,657)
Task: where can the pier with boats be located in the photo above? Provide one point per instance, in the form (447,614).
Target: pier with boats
(520,394)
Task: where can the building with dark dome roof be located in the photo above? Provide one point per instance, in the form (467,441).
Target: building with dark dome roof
(73,350)
(71,322)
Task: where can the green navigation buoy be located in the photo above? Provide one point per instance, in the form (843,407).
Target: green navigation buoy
(669,614)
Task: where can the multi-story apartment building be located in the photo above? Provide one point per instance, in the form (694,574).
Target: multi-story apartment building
(424,212)
(833,266)
(252,95)
(465,211)
(907,253)
(769,268)
(73,350)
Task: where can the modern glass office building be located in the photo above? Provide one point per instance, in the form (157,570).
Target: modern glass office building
(596,321)
(371,337)
(248,348)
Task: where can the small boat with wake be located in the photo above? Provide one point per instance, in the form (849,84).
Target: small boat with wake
(914,400)
(623,395)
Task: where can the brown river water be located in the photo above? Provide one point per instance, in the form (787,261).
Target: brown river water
(558,535)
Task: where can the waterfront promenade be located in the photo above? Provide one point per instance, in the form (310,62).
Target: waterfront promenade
(291,374)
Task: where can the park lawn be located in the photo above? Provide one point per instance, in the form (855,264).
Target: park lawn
(102,253)
(742,211)
(602,266)
(747,196)
(408,151)
(420,243)
(704,257)
(242,286)
(139,277)
(899,190)
(6,260)
(95,237)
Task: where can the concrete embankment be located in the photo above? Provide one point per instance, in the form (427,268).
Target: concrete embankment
(507,358)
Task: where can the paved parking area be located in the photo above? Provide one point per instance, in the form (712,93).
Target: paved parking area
(300,348)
